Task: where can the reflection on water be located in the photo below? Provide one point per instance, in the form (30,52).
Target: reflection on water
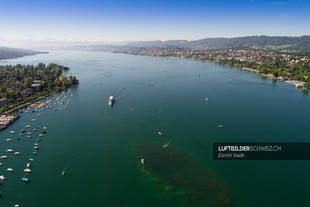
(181,176)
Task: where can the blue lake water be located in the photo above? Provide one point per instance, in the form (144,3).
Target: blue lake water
(97,144)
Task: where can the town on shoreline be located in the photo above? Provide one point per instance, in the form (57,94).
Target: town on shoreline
(283,65)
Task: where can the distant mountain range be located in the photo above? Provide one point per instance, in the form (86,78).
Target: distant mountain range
(7,53)
(301,44)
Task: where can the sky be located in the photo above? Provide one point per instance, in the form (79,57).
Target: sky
(130,20)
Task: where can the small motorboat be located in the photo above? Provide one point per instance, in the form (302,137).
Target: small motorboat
(63,173)
(44,128)
(3,157)
(36,147)
(160,133)
(0,163)
(24,179)
(165,146)
(16,153)
(28,126)
(207,99)
(9,150)
(12,132)
(27,170)
(34,153)
(31,159)
(2,178)
(22,130)
(10,170)
(8,139)
(142,161)
(111,101)
(28,165)
(220,126)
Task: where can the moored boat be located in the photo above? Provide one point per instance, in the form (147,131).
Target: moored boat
(27,170)
(111,101)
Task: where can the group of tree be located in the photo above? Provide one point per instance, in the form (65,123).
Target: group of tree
(20,83)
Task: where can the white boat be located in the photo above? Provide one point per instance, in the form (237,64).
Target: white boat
(142,161)
(160,133)
(28,126)
(111,101)
(10,170)
(27,170)
(8,139)
(16,153)
(12,132)
(28,165)
(0,163)
(207,99)
(9,150)
(2,177)
(3,157)
(165,146)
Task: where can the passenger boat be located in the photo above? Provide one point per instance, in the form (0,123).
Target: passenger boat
(111,101)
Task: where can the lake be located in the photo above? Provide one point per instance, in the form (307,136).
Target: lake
(100,147)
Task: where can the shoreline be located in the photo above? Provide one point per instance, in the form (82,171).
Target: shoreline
(298,84)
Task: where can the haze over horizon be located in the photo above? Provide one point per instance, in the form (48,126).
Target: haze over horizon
(117,21)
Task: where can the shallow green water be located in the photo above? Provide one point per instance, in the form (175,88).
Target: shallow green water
(97,144)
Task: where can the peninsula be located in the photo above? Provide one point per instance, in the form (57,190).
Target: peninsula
(22,84)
